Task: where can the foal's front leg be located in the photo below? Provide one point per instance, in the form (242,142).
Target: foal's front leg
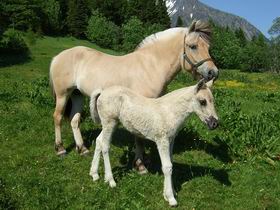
(164,153)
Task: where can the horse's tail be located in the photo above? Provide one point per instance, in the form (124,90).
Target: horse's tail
(51,80)
(93,105)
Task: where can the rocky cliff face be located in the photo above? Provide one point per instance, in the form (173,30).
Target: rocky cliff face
(194,9)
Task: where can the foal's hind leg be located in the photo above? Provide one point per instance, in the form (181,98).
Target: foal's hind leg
(107,131)
(96,159)
(57,116)
(75,116)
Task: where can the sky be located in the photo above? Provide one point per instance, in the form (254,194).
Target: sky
(260,13)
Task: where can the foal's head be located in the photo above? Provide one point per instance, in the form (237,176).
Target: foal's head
(196,58)
(203,104)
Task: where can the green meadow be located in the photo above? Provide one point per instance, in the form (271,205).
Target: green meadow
(235,166)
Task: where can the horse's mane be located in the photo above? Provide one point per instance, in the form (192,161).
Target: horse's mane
(203,28)
(159,36)
(200,27)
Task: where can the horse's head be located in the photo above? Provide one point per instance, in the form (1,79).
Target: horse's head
(196,58)
(203,104)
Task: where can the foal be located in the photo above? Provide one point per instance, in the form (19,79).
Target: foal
(158,120)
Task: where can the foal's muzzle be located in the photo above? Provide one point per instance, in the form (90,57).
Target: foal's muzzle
(212,123)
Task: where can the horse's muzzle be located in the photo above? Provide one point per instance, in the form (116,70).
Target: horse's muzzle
(212,74)
(212,123)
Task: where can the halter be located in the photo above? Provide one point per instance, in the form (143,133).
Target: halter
(194,66)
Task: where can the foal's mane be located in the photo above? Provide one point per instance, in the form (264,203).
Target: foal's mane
(200,27)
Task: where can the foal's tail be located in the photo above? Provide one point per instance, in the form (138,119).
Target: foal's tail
(93,105)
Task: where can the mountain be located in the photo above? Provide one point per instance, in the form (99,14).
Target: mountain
(197,10)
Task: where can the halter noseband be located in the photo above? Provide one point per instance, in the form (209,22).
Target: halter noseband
(194,66)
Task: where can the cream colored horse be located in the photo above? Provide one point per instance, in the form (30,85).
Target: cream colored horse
(158,120)
(147,71)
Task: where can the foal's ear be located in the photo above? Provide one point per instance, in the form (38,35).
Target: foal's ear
(200,85)
(210,83)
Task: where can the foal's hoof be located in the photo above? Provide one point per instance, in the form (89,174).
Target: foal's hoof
(173,202)
(95,177)
(112,182)
(140,167)
(82,150)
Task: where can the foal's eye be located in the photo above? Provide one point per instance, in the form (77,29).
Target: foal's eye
(203,102)
(193,47)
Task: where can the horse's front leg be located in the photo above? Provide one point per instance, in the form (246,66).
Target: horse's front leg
(164,153)
(139,159)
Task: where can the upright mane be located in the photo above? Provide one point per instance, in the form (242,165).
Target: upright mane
(203,28)
(159,36)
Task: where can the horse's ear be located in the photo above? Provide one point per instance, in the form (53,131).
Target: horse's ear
(200,85)
(210,83)
(192,26)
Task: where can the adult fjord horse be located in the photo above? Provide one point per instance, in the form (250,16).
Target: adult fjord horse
(147,71)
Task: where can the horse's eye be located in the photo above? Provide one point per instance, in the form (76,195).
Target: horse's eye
(193,47)
(203,102)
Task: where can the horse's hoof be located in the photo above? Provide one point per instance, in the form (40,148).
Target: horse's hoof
(60,151)
(83,151)
(140,167)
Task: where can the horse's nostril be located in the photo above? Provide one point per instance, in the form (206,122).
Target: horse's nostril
(211,73)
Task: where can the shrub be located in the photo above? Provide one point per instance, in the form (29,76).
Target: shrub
(39,92)
(254,56)
(247,135)
(103,32)
(133,33)
(13,43)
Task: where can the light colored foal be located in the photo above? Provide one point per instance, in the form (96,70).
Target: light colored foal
(158,120)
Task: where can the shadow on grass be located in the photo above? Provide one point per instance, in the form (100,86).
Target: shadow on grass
(186,140)
(9,60)
(182,173)
(7,200)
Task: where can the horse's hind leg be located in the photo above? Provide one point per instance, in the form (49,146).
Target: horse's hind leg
(57,116)
(139,159)
(75,116)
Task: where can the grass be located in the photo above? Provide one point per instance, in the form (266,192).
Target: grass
(209,172)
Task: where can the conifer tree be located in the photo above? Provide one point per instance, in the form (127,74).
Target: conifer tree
(21,14)
(149,11)
(241,37)
(179,22)
(77,17)
(111,9)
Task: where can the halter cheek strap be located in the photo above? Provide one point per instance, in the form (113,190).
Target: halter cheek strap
(194,66)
